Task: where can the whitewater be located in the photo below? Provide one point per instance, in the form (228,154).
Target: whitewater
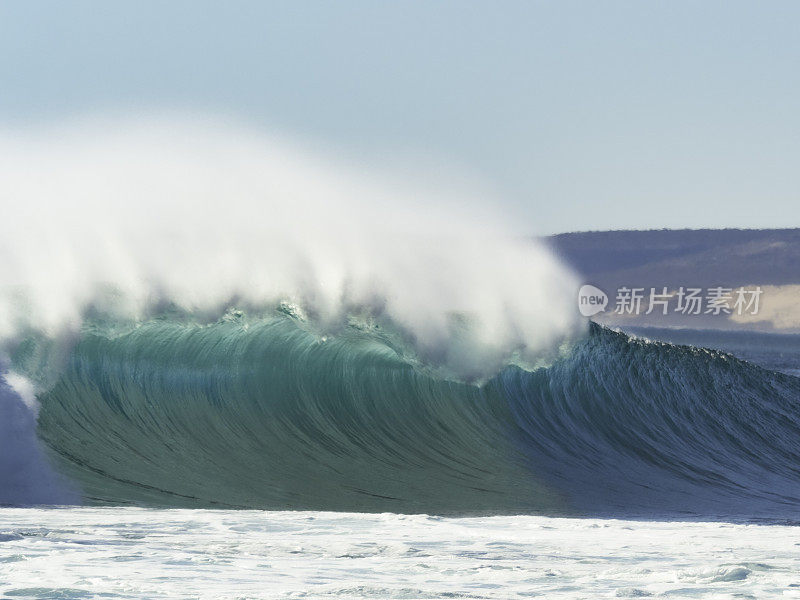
(235,368)
(141,553)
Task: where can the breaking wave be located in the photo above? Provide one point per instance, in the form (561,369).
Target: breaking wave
(110,223)
(267,413)
(197,316)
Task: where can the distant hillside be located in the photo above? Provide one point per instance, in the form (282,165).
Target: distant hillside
(692,258)
(684,256)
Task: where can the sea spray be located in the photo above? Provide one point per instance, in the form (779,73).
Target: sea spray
(113,224)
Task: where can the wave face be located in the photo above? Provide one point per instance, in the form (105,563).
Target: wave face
(266,413)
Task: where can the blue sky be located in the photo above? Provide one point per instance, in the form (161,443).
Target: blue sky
(581,115)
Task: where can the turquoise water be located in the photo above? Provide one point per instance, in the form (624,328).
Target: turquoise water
(266,413)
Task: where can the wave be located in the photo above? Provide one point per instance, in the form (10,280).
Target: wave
(391,348)
(266,413)
(110,222)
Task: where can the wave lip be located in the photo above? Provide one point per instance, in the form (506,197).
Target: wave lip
(126,216)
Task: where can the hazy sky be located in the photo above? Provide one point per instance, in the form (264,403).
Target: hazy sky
(581,115)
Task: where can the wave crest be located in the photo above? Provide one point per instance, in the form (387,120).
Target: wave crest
(125,216)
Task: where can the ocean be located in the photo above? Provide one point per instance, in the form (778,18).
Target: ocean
(232,369)
(251,459)
(132,553)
